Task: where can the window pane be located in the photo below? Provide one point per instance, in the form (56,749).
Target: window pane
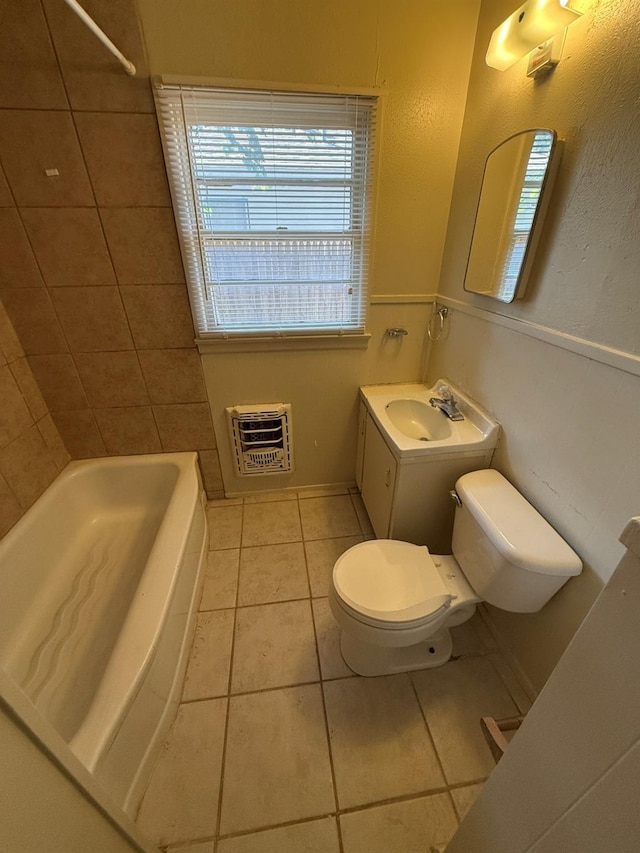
(279,261)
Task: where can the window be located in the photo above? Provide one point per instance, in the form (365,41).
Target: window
(272,197)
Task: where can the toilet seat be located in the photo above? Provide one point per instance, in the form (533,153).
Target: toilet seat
(391,582)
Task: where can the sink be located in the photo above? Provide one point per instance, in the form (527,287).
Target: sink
(418,420)
(413,428)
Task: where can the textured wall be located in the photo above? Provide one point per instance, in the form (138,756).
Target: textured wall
(571,441)
(90,271)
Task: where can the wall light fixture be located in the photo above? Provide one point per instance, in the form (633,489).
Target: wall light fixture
(533,23)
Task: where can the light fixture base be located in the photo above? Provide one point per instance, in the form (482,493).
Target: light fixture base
(546,56)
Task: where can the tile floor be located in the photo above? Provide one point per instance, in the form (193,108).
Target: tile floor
(277,745)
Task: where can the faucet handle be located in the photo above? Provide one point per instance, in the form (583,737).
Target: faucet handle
(445,392)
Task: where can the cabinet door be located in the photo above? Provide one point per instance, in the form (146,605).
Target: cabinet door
(378,479)
(362,430)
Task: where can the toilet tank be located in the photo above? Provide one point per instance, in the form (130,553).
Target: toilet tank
(510,554)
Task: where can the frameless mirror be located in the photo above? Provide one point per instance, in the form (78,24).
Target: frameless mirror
(515,191)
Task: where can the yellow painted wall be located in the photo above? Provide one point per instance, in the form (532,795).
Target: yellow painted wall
(570,424)
(418,53)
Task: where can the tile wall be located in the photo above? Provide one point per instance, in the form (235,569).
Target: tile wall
(31,450)
(90,269)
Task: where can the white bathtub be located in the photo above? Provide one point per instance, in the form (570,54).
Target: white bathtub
(98,586)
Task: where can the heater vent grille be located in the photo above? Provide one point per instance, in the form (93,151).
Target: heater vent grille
(261,438)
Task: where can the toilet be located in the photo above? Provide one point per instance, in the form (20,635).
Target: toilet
(395,602)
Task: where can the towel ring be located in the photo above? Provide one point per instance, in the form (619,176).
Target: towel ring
(442,313)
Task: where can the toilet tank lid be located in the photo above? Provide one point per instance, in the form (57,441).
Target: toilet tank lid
(515,527)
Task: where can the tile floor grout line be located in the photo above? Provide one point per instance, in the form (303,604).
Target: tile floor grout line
(429,734)
(243,833)
(324,704)
(229,681)
(362,807)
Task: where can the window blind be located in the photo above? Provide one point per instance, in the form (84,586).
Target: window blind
(525,213)
(272,198)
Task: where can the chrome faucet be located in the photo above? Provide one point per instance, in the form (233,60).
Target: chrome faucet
(446,403)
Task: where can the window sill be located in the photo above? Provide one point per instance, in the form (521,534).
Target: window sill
(294,343)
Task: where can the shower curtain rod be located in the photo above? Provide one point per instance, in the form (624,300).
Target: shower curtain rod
(106,41)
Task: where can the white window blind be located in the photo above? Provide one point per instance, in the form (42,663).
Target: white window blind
(272,197)
(525,212)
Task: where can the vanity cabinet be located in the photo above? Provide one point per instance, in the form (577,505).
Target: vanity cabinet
(408,498)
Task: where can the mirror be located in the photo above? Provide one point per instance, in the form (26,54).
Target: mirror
(517,181)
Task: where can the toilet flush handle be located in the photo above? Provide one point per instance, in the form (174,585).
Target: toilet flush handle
(455,497)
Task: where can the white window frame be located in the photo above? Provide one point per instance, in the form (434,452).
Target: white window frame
(174,116)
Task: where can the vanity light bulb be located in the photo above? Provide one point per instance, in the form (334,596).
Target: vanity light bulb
(531,24)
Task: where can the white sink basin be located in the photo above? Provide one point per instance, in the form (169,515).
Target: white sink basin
(412,427)
(418,420)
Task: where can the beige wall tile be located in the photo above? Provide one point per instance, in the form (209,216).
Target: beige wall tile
(211,473)
(94,79)
(6,199)
(26,381)
(18,267)
(69,245)
(10,510)
(80,434)
(143,244)
(111,379)
(34,140)
(159,315)
(185,426)
(59,382)
(93,318)
(29,74)
(128,430)
(190,760)
(9,344)
(173,375)
(379,741)
(34,320)
(28,466)
(53,441)
(15,416)
(124,159)
(277,760)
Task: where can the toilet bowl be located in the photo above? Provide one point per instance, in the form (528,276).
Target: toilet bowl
(395,602)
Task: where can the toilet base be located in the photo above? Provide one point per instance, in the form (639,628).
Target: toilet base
(366,659)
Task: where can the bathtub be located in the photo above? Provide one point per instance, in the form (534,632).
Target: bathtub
(98,593)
